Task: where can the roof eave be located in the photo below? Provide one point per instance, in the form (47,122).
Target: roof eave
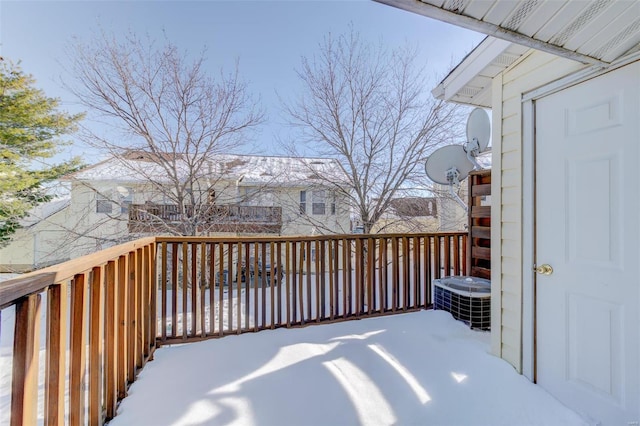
(489,28)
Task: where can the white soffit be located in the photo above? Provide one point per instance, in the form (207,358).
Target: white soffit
(594,32)
(470,82)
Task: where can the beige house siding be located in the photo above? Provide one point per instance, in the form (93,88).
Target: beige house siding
(37,246)
(532,71)
(97,231)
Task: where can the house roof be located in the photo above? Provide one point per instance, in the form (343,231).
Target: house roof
(469,82)
(590,31)
(596,32)
(248,169)
(44,211)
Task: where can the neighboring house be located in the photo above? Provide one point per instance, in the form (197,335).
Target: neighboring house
(424,214)
(438,213)
(563,83)
(41,241)
(409,214)
(123,198)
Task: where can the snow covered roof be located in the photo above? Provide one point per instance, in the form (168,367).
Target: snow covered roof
(44,211)
(248,169)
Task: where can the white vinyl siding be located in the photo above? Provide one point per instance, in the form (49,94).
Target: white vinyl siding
(534,70)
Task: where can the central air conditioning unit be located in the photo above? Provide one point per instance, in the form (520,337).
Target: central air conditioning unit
(468,299)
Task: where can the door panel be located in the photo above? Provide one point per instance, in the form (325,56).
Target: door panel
(587,214)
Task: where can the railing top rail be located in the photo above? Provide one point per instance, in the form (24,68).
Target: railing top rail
(35,282)
(259,239)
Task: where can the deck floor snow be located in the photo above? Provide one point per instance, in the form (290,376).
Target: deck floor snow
(411,369)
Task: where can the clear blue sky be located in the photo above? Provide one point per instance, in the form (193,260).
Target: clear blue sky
(267,37)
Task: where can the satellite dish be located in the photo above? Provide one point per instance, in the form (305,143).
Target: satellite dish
(448,165)
(479,128)
(478,134)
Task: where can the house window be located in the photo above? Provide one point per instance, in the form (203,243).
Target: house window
(103,204)
(318,206)
(303,202)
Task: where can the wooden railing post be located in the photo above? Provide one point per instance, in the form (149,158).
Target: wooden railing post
(24,385)
(111,341)
(96,333)
(56,356)
(77,354)
(122,338)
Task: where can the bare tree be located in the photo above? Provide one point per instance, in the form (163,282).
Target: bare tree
(173,117)
(369,107)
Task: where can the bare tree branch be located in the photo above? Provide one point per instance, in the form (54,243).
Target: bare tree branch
(168,108)
(369,108)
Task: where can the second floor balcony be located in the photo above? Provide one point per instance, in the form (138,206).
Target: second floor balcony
(234,218)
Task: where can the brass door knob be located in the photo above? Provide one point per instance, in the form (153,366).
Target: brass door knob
(544,269)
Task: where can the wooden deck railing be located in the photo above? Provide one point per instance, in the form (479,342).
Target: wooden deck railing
(116,306)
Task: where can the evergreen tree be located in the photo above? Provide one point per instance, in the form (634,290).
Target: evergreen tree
(30,128)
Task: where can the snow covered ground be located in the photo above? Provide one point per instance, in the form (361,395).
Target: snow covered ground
(411,369)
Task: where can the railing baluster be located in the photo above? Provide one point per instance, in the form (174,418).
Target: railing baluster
(239,288)
(110,340)
(371,278)
(185,288)
(140,310)
(436,258)
(229,280)
(247,281)
(456,255)
(96,333)
(122,338)
(174,290)
(346,277)
(308,253)
(280,277)
(383,275)
(24,385)
(263,290)
(272,285)
(446,252)
(77,353)
(406,258)
(221,289)
(463,259)
(56,354)
(395,277)
(294,281)
(153,286)
(202,287)
(323,279)
(163,286)
(212,288)
(195,305)
(316,262)
(133,326)
(303,253)
(287,275)
(415,252)
(359,276)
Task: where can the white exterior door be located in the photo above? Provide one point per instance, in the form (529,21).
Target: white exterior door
(587,230)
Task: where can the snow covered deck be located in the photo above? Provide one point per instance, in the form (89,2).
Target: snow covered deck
(411,369)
